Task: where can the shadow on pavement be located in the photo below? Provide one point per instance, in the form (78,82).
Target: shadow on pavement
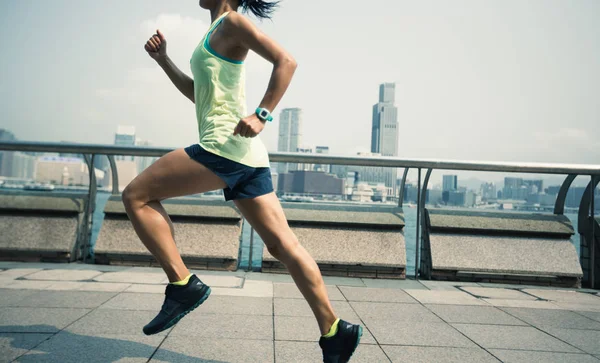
(65,347)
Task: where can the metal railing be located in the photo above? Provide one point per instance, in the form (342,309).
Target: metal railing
(90,151)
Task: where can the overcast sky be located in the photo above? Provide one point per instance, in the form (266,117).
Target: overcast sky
(500,80)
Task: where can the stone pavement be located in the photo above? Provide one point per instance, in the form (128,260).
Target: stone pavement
(91,313)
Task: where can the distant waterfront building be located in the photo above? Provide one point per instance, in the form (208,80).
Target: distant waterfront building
(310,182)
(62,171)
(384,131)
(304,166)
(434,196)
(488,191)
(290,135)
(6,157)
(450,182)
(143,162)
(323,150)
(125,136)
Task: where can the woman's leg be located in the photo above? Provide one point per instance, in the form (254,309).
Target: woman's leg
(173,175)
(266,216)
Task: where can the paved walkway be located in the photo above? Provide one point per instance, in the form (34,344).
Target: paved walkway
(90,313)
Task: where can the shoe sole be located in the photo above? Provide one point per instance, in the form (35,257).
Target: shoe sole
(180,316)
(344,359)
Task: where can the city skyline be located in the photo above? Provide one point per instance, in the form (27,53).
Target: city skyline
(478,85)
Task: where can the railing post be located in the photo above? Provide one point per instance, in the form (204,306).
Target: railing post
(418,226)
(559,205)
(114,173)
(402,185)
(251,248)
(593,239)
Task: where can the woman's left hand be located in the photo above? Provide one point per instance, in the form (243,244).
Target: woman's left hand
(249,126)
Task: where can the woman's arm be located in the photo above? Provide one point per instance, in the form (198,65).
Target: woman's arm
(249,37)
(157,49)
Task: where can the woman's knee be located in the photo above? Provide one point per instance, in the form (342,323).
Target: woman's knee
(132,196)
(282,248)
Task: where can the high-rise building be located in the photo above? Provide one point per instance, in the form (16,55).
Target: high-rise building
(304,166)
(384,130)
(324,150)
(290,135)
(125,136)
(488,191)
(450,182)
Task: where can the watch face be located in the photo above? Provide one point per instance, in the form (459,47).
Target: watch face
(264,113)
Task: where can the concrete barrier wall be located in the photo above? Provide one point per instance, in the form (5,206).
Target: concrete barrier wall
(207,234)
(40,226)
(499,247)
(348,241)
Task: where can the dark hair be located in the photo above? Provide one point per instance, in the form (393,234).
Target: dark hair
(260,8)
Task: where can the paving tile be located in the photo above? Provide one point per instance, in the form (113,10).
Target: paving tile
(16,344)
(516,356)
(63,275)
(377,295)
(290,291)
(577,307)
(553,318)
(135,301)
(225,326)
(474,315)
(132,277)
(445,285)
(251,288)
(113,322)
(438,355)
(18,272)
(299,307)
(12,297)
(586,340)
(187,349)
(513,337)
(237,305)
(418,334)
(145,288)
(445,297)
(299,328)
(394,284)
(343,281)
(309,352)
(216,281)
(26,284)
(67,299)
(590,314)
(395,311)
(88,286)
(491,293)
(37,320)
(565,296)
(66,347)
(275,278)
(522,304)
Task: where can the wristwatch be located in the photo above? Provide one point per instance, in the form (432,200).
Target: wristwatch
(264,114)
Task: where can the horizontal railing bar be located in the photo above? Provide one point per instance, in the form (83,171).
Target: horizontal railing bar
(380,161)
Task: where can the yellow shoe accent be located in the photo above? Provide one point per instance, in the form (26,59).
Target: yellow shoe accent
(333,330)
(182,282)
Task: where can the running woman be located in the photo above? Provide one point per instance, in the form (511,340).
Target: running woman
(229,156)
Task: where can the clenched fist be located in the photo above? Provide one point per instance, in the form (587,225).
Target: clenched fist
(249,126)
(156,46)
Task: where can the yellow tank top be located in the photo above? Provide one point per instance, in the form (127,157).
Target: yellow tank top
(220,98)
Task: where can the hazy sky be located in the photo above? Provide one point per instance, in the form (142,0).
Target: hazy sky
(476,79)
